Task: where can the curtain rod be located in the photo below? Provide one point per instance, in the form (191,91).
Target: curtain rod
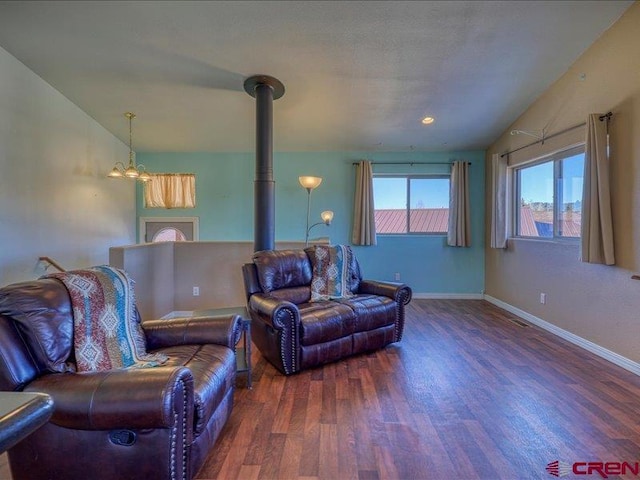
(606,117)
(409,163)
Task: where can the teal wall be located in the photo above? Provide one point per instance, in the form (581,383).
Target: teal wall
(224,203)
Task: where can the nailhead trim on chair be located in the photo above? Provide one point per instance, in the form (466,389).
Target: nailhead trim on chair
(173,445)
(402,297)
(184,437)
(283,340)
(294,336)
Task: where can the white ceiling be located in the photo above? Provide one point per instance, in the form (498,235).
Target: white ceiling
(358,75)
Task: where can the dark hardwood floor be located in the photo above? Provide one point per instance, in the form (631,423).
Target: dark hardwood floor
(468,393)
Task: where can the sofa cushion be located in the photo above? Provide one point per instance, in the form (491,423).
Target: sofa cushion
(213,368)
(278,269)
(42,312)
(372,311)
(331,272)
(324,321)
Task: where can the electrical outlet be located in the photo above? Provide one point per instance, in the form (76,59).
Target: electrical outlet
(196,291)
(543,298)
(396,276)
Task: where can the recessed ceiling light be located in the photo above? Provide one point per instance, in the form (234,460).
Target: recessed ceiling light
(428,120)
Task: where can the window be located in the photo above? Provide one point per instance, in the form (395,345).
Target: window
(406,204)
(169,229)
(549,196)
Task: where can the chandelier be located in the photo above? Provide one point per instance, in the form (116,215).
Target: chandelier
(119,170)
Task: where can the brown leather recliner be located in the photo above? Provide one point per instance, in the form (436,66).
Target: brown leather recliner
(295,334)
(147,423)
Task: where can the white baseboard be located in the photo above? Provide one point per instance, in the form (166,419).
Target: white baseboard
(448,296)
(613,357)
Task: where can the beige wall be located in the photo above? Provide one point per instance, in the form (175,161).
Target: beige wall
(165,273)
(214,267)
(598,303)
(150,265)
(54,197)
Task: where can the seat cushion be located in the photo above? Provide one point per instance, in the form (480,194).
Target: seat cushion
(324,321)
(371,311)
(213,368)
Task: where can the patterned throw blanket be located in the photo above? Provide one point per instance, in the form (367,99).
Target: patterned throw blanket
(331,272)
(106,332)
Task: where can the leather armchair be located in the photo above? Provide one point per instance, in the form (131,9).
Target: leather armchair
(148,423)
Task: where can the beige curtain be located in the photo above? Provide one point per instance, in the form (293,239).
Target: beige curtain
(364,223)
(597,226)
(498,201)
(170,190)
(459,233)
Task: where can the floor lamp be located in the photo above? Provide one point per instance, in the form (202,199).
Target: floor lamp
(309,184)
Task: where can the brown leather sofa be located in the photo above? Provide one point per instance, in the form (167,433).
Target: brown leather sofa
(295,334)
(147,423)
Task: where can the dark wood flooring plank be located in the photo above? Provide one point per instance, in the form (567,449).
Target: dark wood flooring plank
(328,460)
(272,456)
(290,462)
(346,441)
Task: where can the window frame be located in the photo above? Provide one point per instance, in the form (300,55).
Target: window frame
(556,157)
(408,178)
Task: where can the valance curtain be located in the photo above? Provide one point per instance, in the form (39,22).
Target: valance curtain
(499,201)
(170,190)
(597,225)
(459,232)
(364,222)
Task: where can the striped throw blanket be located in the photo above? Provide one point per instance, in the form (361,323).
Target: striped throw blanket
(106,331)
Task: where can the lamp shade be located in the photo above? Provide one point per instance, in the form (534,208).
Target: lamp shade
(310,182)
(327,216)
(115,173)
(131,172)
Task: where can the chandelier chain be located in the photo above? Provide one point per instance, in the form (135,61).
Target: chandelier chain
(131,116)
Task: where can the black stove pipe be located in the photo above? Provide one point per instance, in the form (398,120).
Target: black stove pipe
(265,89)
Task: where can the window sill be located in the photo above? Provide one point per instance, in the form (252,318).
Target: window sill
(411,235)
(555,240)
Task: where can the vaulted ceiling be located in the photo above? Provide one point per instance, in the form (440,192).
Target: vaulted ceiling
(359,75)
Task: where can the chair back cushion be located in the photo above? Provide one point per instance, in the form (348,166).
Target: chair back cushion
(282,269)
(42,312)
(17,367)
(250,279)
